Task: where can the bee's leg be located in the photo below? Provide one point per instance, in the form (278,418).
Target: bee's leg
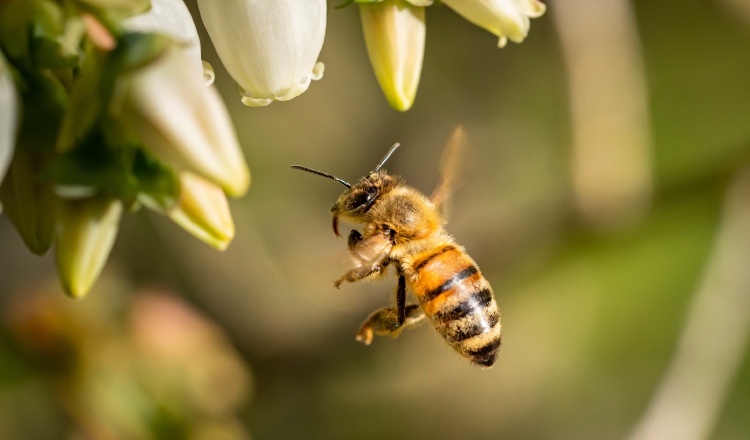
(390,321)
(359,273)
(401,299)
(369,255)
(354,238)
(384,322)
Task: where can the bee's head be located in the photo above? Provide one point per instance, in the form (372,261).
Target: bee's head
(354,203)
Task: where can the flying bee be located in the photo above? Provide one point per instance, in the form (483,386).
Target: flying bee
(404,228)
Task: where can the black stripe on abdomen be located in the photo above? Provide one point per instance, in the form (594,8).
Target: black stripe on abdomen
(477,300)
(451,283)
(486,355)
(429,258)
(476,328)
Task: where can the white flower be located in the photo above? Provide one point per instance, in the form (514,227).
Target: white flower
(172,18)
(185,124)
(270,47)
(508,19)
(203,211)
(8,117)
(86,234)
(395,36)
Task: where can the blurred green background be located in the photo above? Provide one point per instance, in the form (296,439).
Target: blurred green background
(592,315)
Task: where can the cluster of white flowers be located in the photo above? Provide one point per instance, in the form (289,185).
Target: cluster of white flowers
(138,99)
(271,48)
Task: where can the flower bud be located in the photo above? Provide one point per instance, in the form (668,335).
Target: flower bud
(8,117)
(184,123)
(269,47)
(172,18)
(395,36)
(88,229)
(203,211)
(29,204)
(508,19)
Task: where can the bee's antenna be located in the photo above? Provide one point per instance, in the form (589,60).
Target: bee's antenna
(387,156)
(320,173)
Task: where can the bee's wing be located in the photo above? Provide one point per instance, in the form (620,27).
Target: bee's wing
(372,250)
(450,167)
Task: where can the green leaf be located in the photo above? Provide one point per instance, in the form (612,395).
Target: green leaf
(15,21)
(44,101)
(100,74)
(117,9)
(159,185)
(94,164)
(136,50)
(85,105)
(56,36)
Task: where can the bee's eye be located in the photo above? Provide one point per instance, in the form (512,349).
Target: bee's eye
(361,199)
(358,200)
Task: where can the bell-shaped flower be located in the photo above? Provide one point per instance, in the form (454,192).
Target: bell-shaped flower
(31,205)
(508,19)
(184,123)
(395,36)
(270,47)
(203,211)
(8,117)
(172,18)
(85,237)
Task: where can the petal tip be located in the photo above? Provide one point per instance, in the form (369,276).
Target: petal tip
(208,74)
(318,70)
(256,102)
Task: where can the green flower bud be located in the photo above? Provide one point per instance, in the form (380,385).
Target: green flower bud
(87,232)
(395,36)
(29,204)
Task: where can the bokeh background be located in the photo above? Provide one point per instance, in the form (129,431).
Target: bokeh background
(605,197)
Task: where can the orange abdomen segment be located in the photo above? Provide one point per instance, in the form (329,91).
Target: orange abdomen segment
(460,303)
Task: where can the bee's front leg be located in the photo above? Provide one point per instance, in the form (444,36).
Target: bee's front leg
(354,238)
(368,254)
(359,273)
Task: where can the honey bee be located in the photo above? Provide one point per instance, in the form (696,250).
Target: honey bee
(405,229)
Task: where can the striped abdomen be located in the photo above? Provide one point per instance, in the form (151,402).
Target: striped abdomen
(459,301)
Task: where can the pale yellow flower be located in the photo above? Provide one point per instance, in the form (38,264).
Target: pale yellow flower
(395,36)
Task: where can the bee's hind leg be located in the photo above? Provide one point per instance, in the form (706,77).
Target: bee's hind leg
(384,322)
(390,321)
